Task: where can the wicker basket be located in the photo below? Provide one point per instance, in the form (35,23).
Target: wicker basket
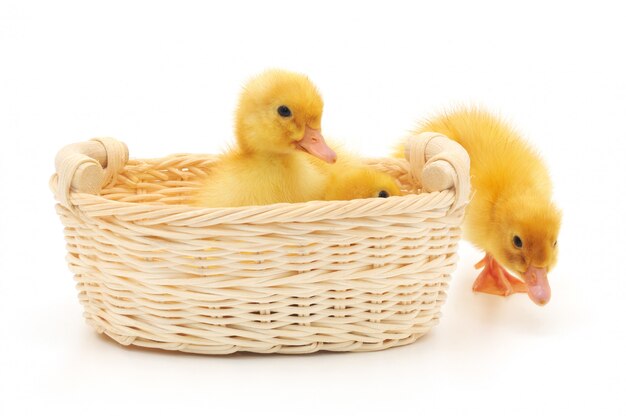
(357,275)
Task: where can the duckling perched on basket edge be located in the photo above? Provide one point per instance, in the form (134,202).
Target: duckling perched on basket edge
(511,215)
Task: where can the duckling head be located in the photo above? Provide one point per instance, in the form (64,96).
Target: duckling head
(363,182)
(525,228)
(280,112)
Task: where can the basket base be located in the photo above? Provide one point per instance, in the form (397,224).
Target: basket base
(225,349)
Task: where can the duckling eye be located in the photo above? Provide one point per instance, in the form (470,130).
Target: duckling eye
(555,242)
(517,241)
(383,194)
(284,111)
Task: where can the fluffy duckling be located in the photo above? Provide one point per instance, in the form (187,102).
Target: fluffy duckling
(511,215)
(354,182)
(277,126)
(349,178)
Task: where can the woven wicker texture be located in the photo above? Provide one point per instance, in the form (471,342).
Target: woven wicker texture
(357,275)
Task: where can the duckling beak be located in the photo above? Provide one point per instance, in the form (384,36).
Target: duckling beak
(313,143)
(538,287)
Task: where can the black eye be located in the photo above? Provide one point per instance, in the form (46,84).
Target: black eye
(517,241)
(383,194)
(284,111)
(555,242)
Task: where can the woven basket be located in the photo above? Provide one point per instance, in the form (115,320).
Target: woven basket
(358,275)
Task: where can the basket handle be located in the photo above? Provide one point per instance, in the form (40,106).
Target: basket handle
(439,163)
(87,166)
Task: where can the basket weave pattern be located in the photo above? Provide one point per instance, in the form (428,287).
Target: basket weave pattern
(355,275)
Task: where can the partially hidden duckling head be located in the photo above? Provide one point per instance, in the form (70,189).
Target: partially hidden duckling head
(360,182)
(280,112)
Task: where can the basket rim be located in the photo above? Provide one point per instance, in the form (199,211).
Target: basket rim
(85,169)
(300,212)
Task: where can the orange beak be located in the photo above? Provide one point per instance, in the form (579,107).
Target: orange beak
(313,143)
(538,287)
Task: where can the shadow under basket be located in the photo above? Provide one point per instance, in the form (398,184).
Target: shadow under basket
(358,275)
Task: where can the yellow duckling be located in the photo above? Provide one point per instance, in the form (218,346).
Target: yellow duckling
(277,126)
(351,179)
(511,215)
(356,182)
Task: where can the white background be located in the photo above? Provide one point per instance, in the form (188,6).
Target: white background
(164,78)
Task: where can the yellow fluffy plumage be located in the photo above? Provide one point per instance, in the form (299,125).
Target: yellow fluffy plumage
(511,215)
(277,125)
(351,179)
(356,182)
(280,154)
